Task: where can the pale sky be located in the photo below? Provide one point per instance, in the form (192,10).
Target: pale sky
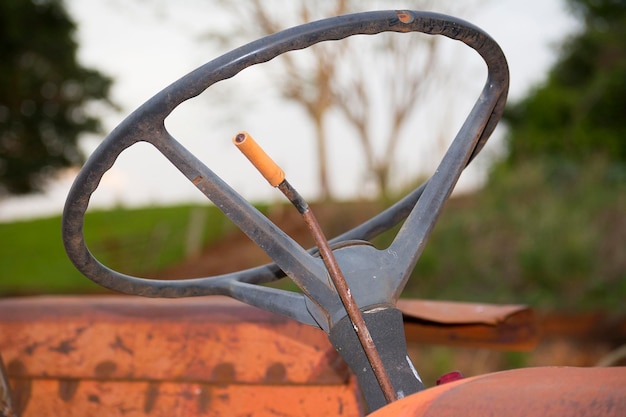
(145,49)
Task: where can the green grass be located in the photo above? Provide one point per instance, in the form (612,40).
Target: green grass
(139,241)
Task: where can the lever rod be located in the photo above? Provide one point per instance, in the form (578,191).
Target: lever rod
(276,177)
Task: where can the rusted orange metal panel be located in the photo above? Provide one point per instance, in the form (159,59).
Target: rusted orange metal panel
(537,392)
(56,348)
(178,340)
(109,356)
(81,398)
(455,312)
(505,327)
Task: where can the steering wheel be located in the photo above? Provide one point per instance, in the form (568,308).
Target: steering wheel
(375,277)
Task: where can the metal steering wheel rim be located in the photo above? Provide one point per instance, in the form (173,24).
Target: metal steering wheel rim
(147,124)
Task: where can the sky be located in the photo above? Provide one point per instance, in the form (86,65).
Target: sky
(145,47)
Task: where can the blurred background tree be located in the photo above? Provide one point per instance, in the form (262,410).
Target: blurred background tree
(548,228)
(374,83)
(43,94)
(580,110)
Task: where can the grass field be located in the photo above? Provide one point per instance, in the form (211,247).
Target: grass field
(132,241)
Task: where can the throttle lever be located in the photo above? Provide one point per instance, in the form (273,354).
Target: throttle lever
(276,177)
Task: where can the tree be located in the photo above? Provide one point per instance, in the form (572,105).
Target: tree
(580,109)
(339,77)
(43,93)
(406,75)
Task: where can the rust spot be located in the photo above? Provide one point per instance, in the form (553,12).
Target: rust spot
(119,344)
(93,398)
(67,389)
(204,399)
(331,369)
(105,369)
(276,373)
(65,347)
(16,368)
(405,17)
(30,349)
(224,372)
(152,393)
(21,388)
(197,180)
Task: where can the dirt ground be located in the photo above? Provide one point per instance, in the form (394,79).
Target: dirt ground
(236,251)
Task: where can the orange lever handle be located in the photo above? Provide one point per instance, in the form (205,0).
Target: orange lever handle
(266,166)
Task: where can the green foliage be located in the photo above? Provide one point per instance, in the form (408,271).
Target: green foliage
(561,189)
(548,233)
(43,92)
(580,109)
(140,242)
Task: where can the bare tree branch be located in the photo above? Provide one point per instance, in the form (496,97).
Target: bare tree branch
(382,78)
